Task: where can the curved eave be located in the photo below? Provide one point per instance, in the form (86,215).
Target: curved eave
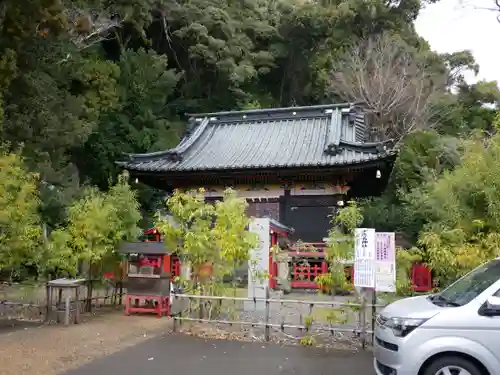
(181,148)
(279,227)
(356,163)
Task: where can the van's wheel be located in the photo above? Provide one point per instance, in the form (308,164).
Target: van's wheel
(452,365)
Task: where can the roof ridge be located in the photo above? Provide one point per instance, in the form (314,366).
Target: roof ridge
(320,107)
(334,130)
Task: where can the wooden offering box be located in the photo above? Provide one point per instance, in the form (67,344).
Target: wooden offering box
(148,278)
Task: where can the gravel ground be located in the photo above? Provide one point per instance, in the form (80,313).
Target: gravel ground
(55,349)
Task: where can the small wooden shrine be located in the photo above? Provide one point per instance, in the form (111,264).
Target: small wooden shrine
(149,273)
(296,165)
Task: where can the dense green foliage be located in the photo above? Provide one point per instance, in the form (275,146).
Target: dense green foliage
(208,236)
(340,247)
(95,224)
(462,229)
(83,81)
(20,234)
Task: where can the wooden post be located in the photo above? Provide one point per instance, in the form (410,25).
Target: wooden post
(121,292)
(77,304)
(59,304)
(374,313)
(180,306)
(114,293)
(174,317)
(362,318)
(49,301)
(267,330)
(67,310)
(89,293)
(127,305)
(200,308)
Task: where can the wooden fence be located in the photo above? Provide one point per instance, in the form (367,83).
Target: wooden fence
(305,321)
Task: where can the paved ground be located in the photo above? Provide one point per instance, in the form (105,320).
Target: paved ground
(187,355)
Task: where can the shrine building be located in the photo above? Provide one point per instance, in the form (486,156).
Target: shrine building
(296,165)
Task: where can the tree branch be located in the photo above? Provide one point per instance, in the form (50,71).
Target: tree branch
(391,83)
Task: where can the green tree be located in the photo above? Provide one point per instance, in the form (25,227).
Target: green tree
(423,155)
(340,245)
(222,48)
(125,209)
(141,122)
(52,105)
(20,230)
(473,107)
(341,248)
(88,236)
(97,223)
(205,235)
(462,210)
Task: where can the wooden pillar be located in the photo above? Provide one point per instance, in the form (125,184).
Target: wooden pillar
(67,308)
(283,205)
(59,304)
(272,276)
(167,263)
(324,267)
(49,302)
(77,305)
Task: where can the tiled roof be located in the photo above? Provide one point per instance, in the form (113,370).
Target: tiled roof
(327,135)
(143,248)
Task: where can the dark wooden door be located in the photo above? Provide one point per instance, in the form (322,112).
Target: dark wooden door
(309,216)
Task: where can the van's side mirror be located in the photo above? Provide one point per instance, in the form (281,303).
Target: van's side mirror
(491,307)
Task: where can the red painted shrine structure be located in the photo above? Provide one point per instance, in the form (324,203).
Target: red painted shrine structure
(149,274)
(153,235)
(276,232)
(295,165)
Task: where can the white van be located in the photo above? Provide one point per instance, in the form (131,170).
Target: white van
(455,332)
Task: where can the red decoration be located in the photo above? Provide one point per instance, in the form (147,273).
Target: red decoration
(155,263)
(421,278)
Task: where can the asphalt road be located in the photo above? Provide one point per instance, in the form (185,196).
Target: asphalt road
(186,355)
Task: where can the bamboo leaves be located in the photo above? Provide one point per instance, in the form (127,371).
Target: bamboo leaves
(203,234)
(97,223)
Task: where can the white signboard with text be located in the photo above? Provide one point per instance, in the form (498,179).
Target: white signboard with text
(258,265)
(364,258)
(385,262)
